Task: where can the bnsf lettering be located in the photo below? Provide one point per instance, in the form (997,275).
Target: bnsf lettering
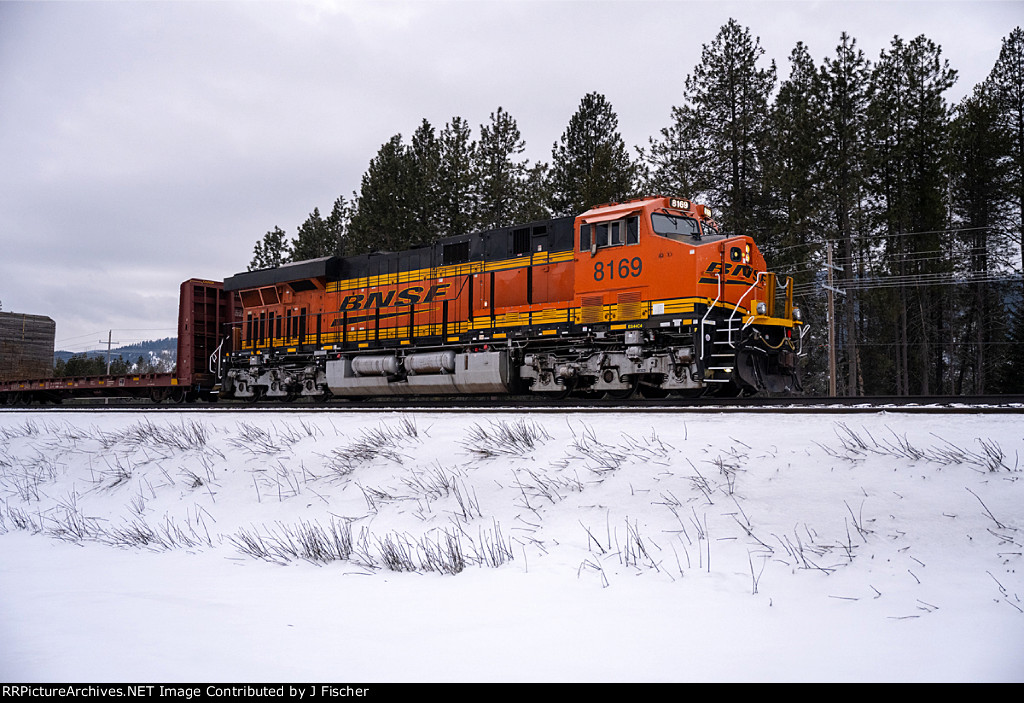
(738,270)
(410,296)
(436,292)
(378,299)
(405,296)
(352,302)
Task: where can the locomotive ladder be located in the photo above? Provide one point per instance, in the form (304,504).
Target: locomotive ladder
(721,349)
(721,360)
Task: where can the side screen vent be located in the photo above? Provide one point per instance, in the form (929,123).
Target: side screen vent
(457,253)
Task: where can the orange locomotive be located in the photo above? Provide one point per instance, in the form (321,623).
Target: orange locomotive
(645,295)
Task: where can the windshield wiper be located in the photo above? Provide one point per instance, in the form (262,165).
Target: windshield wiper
(675,220)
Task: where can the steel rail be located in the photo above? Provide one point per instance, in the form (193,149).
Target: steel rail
(512,405)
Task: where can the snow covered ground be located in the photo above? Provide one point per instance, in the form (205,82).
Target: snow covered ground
(511,547)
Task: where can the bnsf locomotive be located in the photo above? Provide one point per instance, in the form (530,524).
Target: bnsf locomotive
(642,296)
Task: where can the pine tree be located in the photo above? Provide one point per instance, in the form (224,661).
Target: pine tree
(671,164)
(715,147)
(314,240)
(1011,379)
(271,251)
(908,117)
(385,217)
(794,142)
(119,367)
(537,194)
(790,232)
(843,99)
(1007,79)
(590,165)
(500,175)
(425,156)
(456,184)
(337,225)
(82,365)
(978,186)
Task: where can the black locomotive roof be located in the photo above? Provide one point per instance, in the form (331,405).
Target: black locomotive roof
(326,267)
(492,245)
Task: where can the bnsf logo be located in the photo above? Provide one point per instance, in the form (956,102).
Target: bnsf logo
(391,298)
(727,270)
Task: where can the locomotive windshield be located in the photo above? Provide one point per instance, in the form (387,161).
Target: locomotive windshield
(680,227)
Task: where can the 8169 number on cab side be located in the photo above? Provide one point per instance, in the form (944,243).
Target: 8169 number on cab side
(624,268)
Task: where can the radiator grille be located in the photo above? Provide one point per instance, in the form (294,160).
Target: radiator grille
(592,309)
(628,307)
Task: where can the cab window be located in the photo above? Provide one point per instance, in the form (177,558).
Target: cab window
(674,226)
(585,237)
(610,234)
(682,228)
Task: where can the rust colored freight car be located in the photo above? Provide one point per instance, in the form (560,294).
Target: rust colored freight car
(646,295)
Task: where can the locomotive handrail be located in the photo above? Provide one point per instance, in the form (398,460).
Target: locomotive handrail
(736,309)
(216,355)
(703,320)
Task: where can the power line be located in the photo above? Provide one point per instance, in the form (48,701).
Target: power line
(897,281)
(860,237)
(138,329)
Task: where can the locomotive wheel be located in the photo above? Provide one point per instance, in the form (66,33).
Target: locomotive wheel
(692,393)
(625,393)
(726,390)
(566,391)
(567,388)
(653,392)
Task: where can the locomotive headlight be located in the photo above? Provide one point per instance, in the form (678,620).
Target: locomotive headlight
(762,308)
(797,315)
(746,256)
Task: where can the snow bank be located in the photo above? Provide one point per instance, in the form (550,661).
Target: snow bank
(575,547)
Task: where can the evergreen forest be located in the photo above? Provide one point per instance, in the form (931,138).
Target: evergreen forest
(853,174)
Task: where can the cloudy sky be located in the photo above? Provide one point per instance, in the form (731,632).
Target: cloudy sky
(144,143)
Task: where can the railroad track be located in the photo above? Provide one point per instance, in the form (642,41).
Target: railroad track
(503,405)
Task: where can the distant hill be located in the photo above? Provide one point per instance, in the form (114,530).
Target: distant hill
(161,354)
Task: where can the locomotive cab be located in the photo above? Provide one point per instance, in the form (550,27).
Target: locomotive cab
(678,305)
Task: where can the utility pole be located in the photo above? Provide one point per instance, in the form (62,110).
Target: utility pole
(110,335)
(832,290)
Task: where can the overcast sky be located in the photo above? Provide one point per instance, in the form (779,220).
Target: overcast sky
(143,143)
